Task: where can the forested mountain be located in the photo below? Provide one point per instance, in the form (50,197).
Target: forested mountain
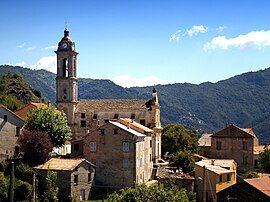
(243,100)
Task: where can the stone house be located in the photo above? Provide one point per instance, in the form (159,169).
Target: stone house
(87,115)
(122,152)
(235,143)
(74,177)
(204,143)
(10,129)
(213,176)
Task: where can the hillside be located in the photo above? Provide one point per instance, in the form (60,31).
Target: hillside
(243,100)
(15,92)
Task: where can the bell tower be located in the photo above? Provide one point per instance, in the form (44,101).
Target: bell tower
(66,79)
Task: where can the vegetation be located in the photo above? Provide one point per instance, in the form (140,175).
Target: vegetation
(264,161)
(14,92)
(181,144)
(50,121)
(184,160)
(248,174)
(151,193)
(47,189)
(35,146)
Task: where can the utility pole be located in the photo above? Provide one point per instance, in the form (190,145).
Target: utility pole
(11,182)
(204,185)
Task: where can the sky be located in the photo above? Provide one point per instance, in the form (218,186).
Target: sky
(138,42)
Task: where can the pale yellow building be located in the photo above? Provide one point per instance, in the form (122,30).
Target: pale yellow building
(212,176)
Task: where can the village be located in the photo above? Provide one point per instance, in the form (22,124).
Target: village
(115,144)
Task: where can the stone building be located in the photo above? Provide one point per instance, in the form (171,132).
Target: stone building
(10,129)
(122,152)
(74,177)
(235,143)
(87,115)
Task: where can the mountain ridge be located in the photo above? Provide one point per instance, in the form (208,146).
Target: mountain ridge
(242,99)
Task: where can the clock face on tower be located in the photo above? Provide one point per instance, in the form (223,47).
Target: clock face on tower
(64,45)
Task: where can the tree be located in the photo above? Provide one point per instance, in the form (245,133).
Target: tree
(183,160)
(3,187)
(51,121)
(150,193)
(177,138)
(35,146)
(47,189)
(264,161)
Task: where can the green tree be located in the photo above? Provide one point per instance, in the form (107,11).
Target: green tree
(183,160)
(3,187)
(47,189)
(51,121)
(150,193)
(177,138)
(264,161)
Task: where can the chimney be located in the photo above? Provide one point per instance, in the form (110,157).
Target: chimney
(98,123)
(128,125)
(212,161)
(48,103)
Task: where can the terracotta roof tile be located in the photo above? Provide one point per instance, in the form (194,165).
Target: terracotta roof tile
(235,131)
(262,184)
(62,164)
(260,148)
(134,125)
(107,105)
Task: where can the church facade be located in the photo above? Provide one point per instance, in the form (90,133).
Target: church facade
(85,116)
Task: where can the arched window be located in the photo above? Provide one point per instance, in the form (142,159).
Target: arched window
(65,67)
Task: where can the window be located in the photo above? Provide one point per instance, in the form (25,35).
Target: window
(218,146)
(125,146)
(83,115)
(220,178)
(83,123)
(125,163)
(76,179)
(115,131)
(150,159)
(228,177)
(102,131)
(95,116)
(18,131)
(116,116)
(106,120)
(65,67)
(93,146)
(244,145)
(142,122)
(5,117)
(76,147)
(17,150)
(132,116)
(150,143)
(142,146)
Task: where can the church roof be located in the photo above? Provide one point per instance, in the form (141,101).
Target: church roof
(112,105)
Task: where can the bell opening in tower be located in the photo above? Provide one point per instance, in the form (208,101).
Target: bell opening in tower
(65,67)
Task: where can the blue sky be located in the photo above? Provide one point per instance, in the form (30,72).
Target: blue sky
(138,42)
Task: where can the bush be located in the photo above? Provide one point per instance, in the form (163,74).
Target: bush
(3,187)
(22,191)
(24,173)
(150,193)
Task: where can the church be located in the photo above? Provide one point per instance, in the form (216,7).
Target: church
(134,116)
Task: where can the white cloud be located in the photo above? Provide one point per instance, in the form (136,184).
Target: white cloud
(221,28)
(257,39)
(48,63)
(196,29)
(50,47)
(21,45)
(176,36)
(21,64)
(127,81)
